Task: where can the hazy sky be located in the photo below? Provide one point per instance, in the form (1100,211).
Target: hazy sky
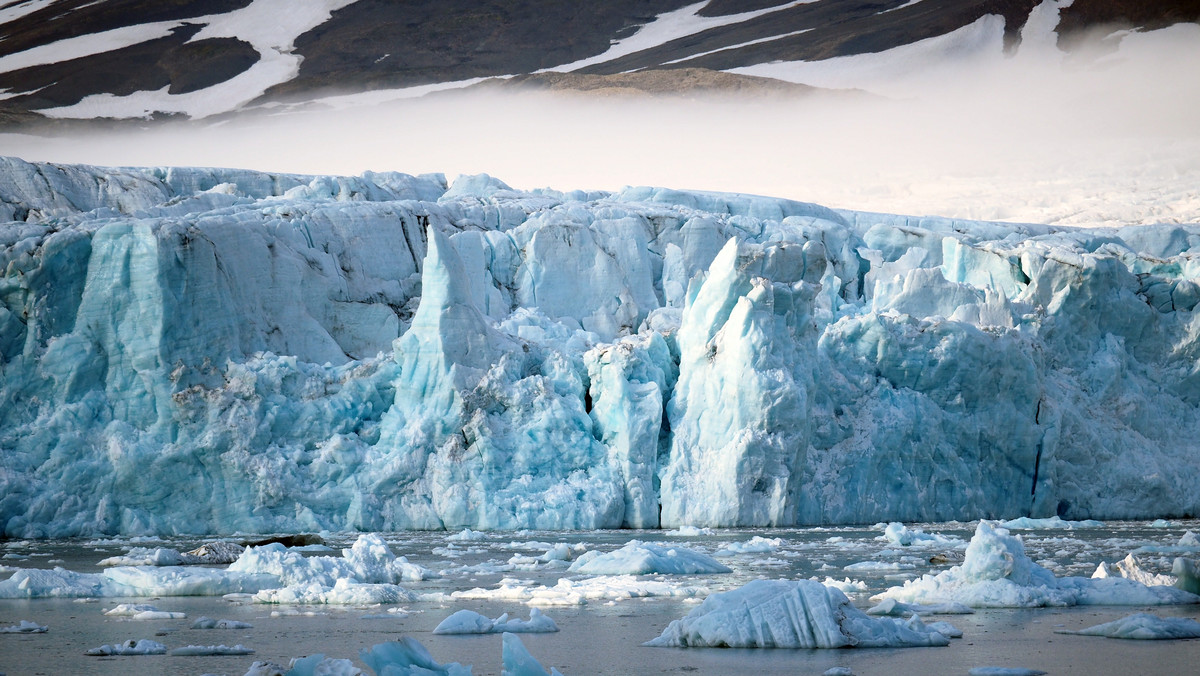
(1095,138)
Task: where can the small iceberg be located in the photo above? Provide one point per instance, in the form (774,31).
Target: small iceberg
(790,614)
(996,573)
(647,558)
(1144,626)
(130,647)
(471,622)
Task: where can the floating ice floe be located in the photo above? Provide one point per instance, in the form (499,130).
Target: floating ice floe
(688,531)
(467,535)
(144,556)
(790,614)
(205,650)
(556,556)
(894,608)
(470,622)
(647,558)
(1188,544)
(846,585)
(25,627)
(130,647)
(899,534)
(568,592)
(997,573)
(136,611)
(1050,523)
(879,566)
(211,554)
(755,545)
(210,623)
(1130,569)
(1144,626)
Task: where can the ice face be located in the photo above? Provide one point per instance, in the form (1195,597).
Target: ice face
(210,351)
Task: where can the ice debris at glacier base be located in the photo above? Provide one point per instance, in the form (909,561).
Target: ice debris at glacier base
(790,614)
(209,351)
(996,573)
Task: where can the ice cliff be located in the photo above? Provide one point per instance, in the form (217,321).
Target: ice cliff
(203,351)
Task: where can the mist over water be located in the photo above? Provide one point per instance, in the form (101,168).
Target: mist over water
(1102,136)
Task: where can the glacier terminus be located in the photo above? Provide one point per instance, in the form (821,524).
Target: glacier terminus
(202,351)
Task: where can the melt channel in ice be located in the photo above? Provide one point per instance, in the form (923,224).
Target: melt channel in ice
(791,614)
(206,351)
(996,573)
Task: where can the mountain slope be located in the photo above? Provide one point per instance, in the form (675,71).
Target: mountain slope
(137,58)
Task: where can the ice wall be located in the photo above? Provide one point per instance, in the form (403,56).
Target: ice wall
(204,351)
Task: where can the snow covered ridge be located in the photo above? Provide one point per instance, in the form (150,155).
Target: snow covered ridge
(201,58)
(210,351)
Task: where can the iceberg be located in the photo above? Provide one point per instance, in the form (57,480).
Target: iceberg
(470,622)
(790,614)
(647,558)
(207,351)
(899,534)
(1129,568)
(518,661)
(996,573)
(407,657)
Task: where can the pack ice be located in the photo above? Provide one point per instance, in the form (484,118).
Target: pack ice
(207,351)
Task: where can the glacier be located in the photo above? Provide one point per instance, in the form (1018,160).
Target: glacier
(206,351)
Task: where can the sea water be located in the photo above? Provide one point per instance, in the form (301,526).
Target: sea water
(604,620)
